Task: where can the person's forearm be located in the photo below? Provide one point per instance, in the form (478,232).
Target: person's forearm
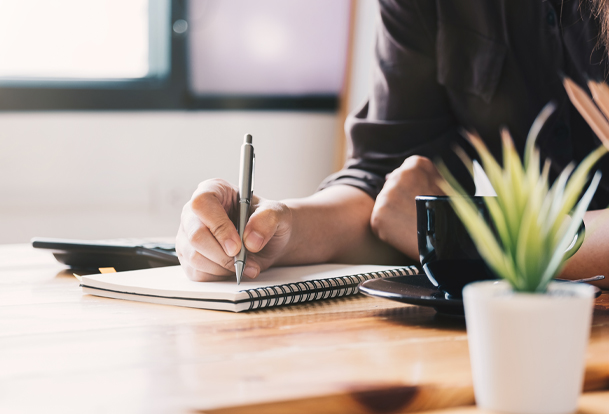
(333,225)
(592,258)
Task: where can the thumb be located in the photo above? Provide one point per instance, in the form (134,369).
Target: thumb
(263,224)
(210,211)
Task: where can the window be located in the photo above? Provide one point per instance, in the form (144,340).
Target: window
(268,49)
(86,41)
(164,54)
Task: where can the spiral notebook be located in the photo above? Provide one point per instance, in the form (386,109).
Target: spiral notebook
(274,287)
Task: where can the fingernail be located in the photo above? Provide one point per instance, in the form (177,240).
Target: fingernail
(250,271)
(230,247)
(254,241)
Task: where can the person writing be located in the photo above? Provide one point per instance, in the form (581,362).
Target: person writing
(440,67)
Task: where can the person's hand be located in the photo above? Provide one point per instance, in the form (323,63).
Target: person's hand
(394,216)
(207,240)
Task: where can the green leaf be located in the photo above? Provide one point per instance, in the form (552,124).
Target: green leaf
(557,260)
(488,247)
(578,179)
(538,124)
(533,223)
(502,188)
(501,227)
(554,199)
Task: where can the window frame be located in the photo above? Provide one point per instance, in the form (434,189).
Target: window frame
(169,93)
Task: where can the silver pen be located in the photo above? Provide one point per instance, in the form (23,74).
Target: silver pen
(246,189)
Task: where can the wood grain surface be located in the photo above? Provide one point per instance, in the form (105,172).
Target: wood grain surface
(62,351)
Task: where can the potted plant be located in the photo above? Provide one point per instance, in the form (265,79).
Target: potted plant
(527,333)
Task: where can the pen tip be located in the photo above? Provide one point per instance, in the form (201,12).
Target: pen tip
(239,271)
(248,139)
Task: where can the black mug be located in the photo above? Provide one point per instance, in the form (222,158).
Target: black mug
(447,253)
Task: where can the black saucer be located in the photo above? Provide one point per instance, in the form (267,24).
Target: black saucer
(416,290)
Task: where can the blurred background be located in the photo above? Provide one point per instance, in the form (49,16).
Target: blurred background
(112,111)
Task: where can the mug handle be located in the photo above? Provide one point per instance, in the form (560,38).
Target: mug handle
(578,240)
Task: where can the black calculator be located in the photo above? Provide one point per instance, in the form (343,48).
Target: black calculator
(121,254)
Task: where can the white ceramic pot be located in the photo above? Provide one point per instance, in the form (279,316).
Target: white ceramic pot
(528,351)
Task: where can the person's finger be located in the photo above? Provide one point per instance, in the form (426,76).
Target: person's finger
(200,239)
(434,179)
(208,208)
(437,190)
(187,254)
(263,224)
(199,268)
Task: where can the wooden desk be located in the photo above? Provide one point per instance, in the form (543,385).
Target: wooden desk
(64,351)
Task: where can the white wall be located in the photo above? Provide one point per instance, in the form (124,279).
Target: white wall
(127,174)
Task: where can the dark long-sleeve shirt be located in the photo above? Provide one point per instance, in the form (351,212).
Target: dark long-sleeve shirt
(445,65)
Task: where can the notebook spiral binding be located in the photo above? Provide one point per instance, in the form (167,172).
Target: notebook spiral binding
(291,293)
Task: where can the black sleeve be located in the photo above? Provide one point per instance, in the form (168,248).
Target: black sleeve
(408,111)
